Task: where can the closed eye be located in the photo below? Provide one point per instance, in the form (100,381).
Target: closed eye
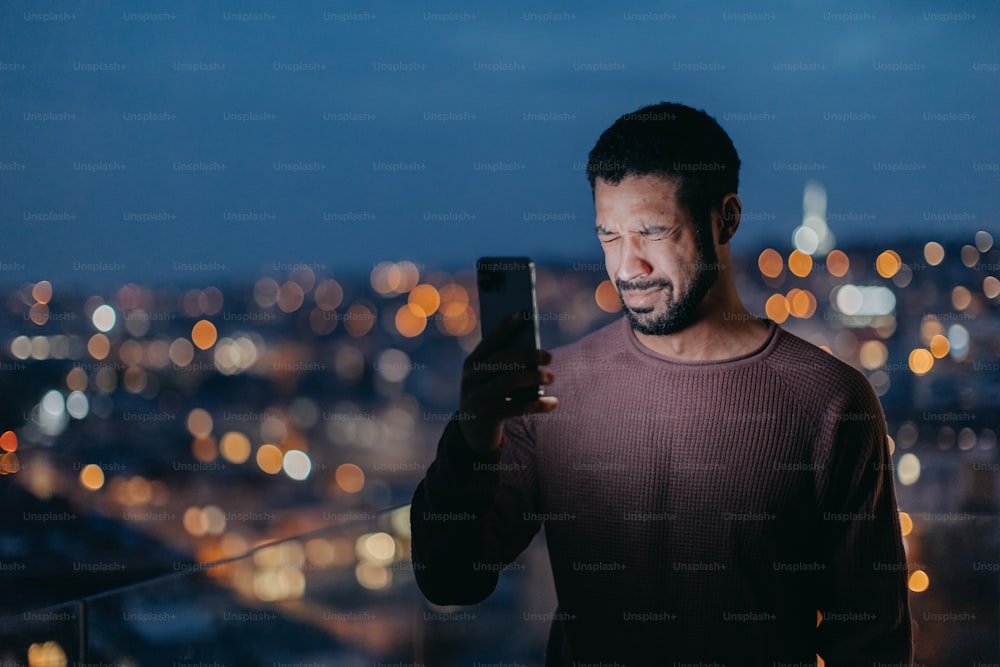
(656,233)
(652,233)
(605,235)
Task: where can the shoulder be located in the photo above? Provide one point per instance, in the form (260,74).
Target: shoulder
(817,376)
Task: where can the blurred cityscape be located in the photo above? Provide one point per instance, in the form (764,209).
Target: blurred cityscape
(148,431)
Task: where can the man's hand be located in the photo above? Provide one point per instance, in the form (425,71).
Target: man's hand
(486,384)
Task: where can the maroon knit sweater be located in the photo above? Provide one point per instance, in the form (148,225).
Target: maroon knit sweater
(695,512)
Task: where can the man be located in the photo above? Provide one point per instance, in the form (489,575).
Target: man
(708,482)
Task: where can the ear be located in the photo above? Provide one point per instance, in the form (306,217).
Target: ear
(729,220)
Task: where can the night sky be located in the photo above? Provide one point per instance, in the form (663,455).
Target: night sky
(184,142)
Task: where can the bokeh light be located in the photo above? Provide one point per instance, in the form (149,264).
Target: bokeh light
(410,320)
(908,469)
(359,319)
(8,441)
(349,477)
(46,654)
(939,346)
(425,297)
(235,447)
(969,255)
(800,264)
(919,581)
(770,263)
(872,354)
(181,352)
(606,297)
(921,361)
(933,253)
(290,296)
(203,334)
(297,464)
(991,287)
(888,263)
(42,291)
(199,423)
(99,346)
(269,459)
(905,524)
(776,308)
(328,295)
(961,297)
(92,477)
(838,264)
(104,318)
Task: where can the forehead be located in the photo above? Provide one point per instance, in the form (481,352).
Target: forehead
(648,195)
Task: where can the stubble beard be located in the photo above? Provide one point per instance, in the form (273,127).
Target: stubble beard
(680,311)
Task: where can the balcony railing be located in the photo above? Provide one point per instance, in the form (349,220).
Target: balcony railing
(343,595)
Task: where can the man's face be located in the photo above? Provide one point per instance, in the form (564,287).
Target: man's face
(654,254)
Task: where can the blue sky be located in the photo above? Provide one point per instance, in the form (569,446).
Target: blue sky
(353,133)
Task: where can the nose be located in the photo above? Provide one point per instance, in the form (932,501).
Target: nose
(632,260)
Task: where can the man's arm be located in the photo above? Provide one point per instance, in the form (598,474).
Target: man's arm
(472,514)
(864,595)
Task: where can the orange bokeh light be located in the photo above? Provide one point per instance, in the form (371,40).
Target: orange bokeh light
(776,308)
(204,334)
(606,297)
(770,263)
(426,297)
(410,320)
(888,263)
(350,478)
(8,441)
(837,263)
(800,264)
(269,459)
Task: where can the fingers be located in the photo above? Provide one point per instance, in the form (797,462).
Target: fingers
(543,404)
(500,380)
(486,394)
(487,390)
(497,383)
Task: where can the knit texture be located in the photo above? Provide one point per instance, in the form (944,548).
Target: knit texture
(695,512)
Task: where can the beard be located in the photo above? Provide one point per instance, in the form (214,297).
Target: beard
(680,310)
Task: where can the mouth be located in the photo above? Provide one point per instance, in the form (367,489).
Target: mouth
(641,298)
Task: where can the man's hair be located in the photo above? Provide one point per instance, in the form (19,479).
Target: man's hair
(677,142)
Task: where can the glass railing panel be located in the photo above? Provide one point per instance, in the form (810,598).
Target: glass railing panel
(337,596)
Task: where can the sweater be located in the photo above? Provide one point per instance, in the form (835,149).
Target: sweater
(695,512)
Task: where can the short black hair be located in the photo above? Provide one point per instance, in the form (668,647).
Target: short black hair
(671,140)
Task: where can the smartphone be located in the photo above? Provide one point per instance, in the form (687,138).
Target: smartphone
(507,286)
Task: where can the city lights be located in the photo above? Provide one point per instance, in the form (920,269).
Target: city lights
(838,263)
(92,477)
(919,581)
(104,318)
(908,469)
(325,393)
(350,478)
(800,263)
(933,253)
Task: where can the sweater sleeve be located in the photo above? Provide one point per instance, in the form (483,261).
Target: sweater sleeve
(863,594)
(472,514)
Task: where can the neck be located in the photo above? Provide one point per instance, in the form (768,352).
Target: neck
(722,329)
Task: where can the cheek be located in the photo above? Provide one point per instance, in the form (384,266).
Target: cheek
(677,266)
